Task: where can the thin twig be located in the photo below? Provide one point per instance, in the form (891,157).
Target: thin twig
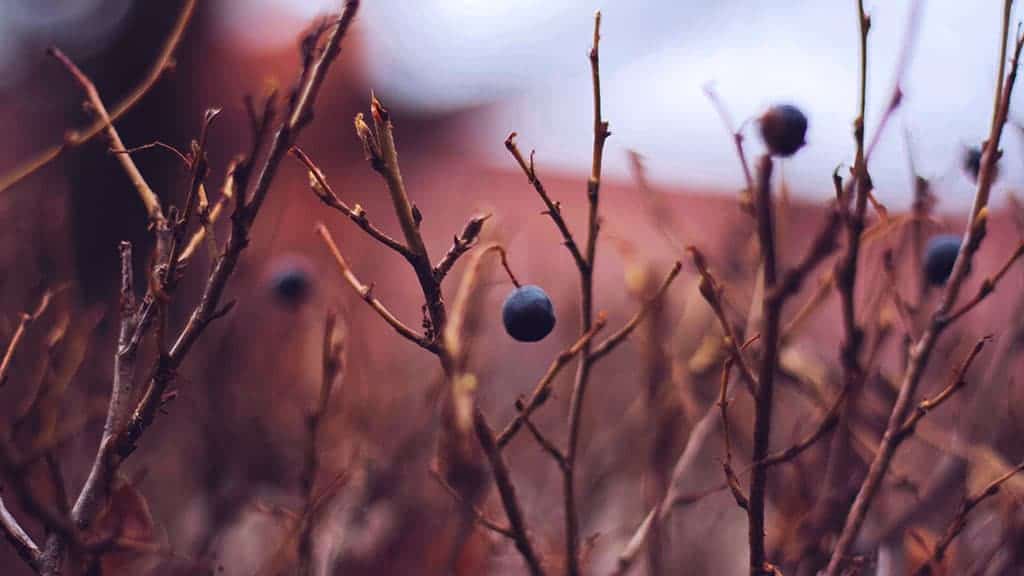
(163,62)
(731,480)
(923,347)
(119,445)
(462,244)
(737,138)
(542,391)
(212,215)
(24,321)
(481,518)
(610,343)
(365,292)
(546,444)
(146,194)
(712,292)
(380,151)
(554,209)
(579,388)
(503,480)
(323,191)
(960,520)
(988,285)
(957,382)
(332,372)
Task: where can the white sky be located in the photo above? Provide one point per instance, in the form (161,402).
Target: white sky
(530,55)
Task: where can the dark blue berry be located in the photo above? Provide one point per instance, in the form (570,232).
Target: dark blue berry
(783,129)
(528,314)
(291,281)
(972,163)
(939,257)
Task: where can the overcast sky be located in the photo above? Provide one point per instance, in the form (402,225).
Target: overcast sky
(529,58)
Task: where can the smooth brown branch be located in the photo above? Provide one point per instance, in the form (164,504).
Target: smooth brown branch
(365,292)
(957,382)
(583,368)
(554,209)
(481,518)
(386,163)
(503,480)
(164,61)
(146,194)
(960,521)
(318,183)
(712,292)
(462,244)
(609,344)
(19,538)
(771,313)
(24,321)
(542,391)
(988,285)
(921,350)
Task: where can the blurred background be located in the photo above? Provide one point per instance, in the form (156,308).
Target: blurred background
(217,476)
(522,65)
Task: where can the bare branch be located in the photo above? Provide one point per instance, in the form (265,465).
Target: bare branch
(960,520)
(988,285)
(712,291)
(366,293)
(323,191)
(19,332)
(19,539)
(542,391)
(923,347)
(163,62)
(554,209)
(481,518)
(146,194)
(957,382)
(461,244)
(617,338)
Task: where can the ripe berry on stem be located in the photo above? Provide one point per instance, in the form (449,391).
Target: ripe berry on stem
(783,129)
(528,314)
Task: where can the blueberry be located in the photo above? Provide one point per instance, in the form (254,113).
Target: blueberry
(528,314)
(290,281)
(939,257)
(972,163)
(783,128)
